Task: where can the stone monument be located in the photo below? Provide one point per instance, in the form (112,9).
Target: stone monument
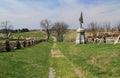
(80,39)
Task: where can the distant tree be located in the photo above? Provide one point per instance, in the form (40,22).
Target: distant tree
(93,29)
(107,27)
(118,27)
(24,30)
(60,28)
(19,30)
(46,25)
(6,27)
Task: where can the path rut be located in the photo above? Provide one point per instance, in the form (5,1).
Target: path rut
(56,53)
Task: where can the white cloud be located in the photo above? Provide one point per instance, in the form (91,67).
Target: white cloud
(30,14)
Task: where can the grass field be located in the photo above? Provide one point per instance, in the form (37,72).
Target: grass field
(31,62)
(95,61)
(37,34)
(2,40)
(61,65)
(70,34)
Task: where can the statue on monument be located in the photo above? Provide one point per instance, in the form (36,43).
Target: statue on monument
(80,39)
(81,20)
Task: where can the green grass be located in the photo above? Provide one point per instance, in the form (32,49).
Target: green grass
(30,34)
(2,40)
(34,34)
(31,62)
(70,34)
(62,66)
(95,61)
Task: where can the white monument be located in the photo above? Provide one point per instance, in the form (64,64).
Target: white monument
(80,39)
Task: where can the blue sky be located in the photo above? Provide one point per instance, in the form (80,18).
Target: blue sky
(29,13)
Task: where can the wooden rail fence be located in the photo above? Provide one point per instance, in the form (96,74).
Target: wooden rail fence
(19,43)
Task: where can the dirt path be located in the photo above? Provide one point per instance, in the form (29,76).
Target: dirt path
(51,73)
(77,71)
(57,54)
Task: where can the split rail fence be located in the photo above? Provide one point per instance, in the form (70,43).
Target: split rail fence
(14,44)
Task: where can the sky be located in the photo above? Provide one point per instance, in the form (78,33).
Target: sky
(29,13)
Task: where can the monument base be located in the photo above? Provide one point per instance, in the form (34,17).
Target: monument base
(80,42)
(80,36)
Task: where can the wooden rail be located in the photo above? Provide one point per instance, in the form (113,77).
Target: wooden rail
(22,43)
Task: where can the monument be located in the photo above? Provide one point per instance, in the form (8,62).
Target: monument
(80,39)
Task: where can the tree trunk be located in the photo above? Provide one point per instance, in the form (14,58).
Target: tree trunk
(48,34)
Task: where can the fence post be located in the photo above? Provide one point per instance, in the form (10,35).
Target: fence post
(7,45)
(24,43)
(18,44)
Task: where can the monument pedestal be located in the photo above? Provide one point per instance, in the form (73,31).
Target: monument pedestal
(80,36)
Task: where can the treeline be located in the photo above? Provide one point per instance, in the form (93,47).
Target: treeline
(22,30)
(58,29)
(106,27)
(98,30)
(14,31)
(7,28)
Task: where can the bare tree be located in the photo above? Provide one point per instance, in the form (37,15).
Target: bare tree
(118,27)
(93,28)
(46,25)
(6,27)
(60,28)
(96,31)
(107,27)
